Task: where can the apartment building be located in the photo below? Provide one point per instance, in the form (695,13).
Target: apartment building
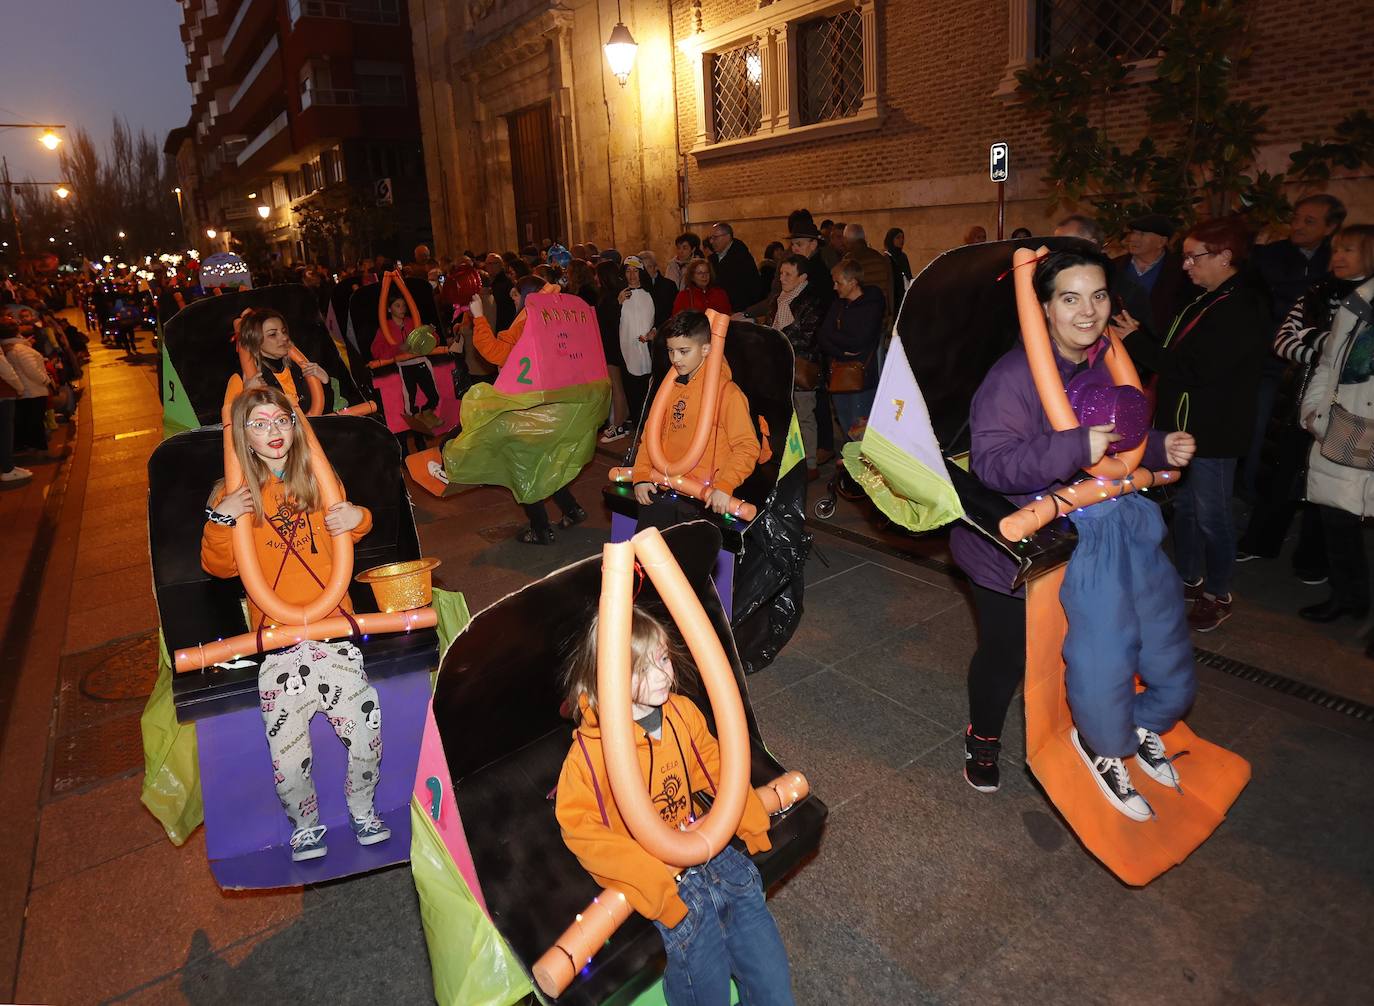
(298,104)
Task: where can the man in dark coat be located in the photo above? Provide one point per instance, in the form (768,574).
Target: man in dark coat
(1148,281)
(806,240)
(660,287)
(736,271)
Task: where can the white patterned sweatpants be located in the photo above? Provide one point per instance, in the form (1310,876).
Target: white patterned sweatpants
(328,678)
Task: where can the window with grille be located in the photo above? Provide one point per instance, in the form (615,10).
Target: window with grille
(1131,29)
(830,67)
(736,92)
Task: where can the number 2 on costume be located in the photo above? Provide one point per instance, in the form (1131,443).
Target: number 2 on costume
(524,377)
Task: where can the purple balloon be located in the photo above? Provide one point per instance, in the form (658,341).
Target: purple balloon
(1096,401)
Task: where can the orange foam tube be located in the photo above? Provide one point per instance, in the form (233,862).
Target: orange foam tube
(414,311)
(597,923)
(255,585)
(591,928)
(689,487)
(708,835)
(250,368)
(193,658)
(364,408)
(1036,514)
(658,411)
(1048,383)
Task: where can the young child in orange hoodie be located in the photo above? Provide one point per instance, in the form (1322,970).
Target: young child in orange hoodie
(291,535)
(712,918)
(495,347)
(733,447)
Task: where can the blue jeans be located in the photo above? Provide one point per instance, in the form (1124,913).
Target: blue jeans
(1124,606)
(1204,532)
(728,931)
(852,406)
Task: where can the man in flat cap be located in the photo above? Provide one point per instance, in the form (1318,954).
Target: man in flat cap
(1148,282)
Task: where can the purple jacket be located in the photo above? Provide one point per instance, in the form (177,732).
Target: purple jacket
(1015,452)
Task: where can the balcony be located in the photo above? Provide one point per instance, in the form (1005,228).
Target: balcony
(336,97)
(261,140)
(236,24)
(268,53)
(361,11)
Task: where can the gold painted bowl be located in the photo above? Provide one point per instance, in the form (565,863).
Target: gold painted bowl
(401,586)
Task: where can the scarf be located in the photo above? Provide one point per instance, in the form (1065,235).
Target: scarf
(783,317)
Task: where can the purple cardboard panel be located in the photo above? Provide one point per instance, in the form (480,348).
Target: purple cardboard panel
(247,835)
(623,529)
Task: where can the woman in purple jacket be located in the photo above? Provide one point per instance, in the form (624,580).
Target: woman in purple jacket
(1016,452)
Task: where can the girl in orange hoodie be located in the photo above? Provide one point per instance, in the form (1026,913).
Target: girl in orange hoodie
(713,919)
(291,535)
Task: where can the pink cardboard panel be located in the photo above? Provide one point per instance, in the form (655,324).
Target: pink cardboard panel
(432,779)
(392,390)
(559,347)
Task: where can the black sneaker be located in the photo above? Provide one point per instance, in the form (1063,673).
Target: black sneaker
(1114,780)
(530,536)
(1192,591)
(1154,761)
(980,761)
(572,518)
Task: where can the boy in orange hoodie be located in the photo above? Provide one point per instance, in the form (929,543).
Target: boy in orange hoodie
(733,447)
(713,919)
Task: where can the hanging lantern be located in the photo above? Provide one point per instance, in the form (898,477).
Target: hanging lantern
(620,49)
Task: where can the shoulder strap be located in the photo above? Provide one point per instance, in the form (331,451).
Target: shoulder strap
(596,786)
(697,754)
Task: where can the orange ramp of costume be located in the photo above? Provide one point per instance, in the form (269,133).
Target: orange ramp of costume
(1137,852)
(417,464)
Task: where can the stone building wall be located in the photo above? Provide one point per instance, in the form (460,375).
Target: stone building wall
(630,176)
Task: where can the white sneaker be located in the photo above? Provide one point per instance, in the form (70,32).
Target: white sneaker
(16,474)
(308,843)
(436,471)
(1153,760)
(1114,780)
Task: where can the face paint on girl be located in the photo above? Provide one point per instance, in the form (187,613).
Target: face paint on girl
(270,432)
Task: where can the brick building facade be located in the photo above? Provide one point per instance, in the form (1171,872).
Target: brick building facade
(875,111)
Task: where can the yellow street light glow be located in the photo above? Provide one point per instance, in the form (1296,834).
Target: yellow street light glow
(177,190)
(211,233)
(620,52)
(121,235)
(62,192)
(50,139)
(264,212)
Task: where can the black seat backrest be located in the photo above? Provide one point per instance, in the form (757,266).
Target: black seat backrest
(196,607)
(484,716)
(200,343)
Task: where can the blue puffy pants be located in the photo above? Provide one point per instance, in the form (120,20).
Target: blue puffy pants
(1124,603)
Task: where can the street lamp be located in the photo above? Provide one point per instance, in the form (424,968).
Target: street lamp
(211,233)
(50,139)
(62,192)
(621,48)
(264,211)
(121,235)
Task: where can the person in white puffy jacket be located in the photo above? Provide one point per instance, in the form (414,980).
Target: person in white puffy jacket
(29,431)
(1344,493)
(636,333)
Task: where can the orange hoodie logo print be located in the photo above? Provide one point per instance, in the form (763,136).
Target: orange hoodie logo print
(672,799)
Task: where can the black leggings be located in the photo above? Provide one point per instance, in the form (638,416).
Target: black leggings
(538,513)
(999,663)
(418,377)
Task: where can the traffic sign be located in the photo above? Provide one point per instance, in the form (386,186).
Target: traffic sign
(999,162)
(382,190)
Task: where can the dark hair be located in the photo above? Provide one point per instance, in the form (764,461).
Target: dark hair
(1056,262)
(610,277)
(773,246)
(518,267)
(527,285)
(1335,209)
(250,330)
(687,325)
(797,262)
(1020,232)
(689,238)
(891,236)
(1220,234)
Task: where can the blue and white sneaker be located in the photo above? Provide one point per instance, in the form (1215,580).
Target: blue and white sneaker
(370,830)
(308,843)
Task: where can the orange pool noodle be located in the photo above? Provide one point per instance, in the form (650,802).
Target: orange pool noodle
(193,658)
